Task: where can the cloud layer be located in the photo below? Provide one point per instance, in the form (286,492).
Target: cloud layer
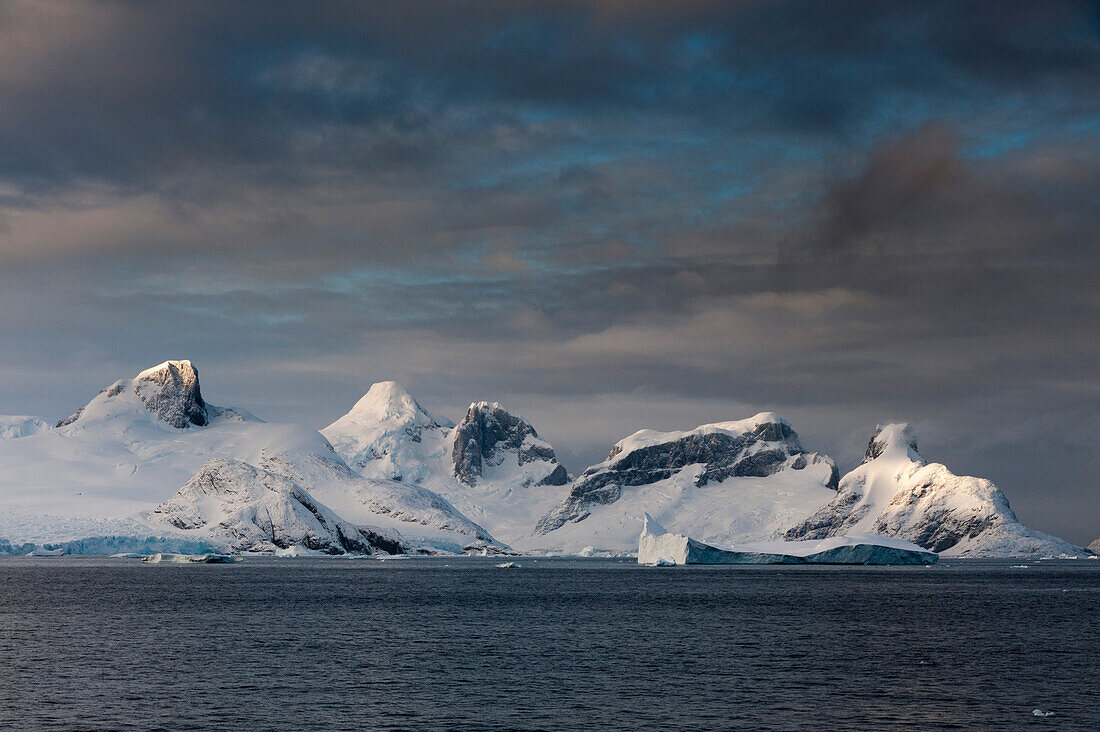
(607,215)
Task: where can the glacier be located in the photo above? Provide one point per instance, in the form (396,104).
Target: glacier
(657,546)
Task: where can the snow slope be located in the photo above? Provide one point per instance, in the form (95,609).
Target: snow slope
(659,546)
(492,466)
(140,439)
(729,482)
(895,492)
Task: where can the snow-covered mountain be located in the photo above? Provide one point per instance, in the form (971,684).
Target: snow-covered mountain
(895,492)
(100,471)
(727,482)
(250,509)
(168,393)
(110,477)
(21,425)
(388,435)
(492,466)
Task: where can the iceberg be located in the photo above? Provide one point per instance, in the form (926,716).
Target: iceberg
(657,546)
(44,552)
(163,558)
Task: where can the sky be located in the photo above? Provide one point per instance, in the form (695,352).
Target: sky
(607,216)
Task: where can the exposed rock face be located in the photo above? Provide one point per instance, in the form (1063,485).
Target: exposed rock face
(488,434)
(1094,547)
(759,447)
(250,509)
(171,392)
(896,493)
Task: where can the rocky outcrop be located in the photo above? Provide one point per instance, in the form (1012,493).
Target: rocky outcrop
(1094,547)
(758,447)
(249,509)
(171,393)
(489,434)
(896,493)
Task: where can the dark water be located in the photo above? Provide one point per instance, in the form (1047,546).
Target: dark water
(556,645)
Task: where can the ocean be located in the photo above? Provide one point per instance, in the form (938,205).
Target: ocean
(554,644)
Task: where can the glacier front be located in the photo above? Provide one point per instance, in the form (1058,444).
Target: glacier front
(658,546)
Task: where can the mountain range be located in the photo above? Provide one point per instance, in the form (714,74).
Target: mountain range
(149,465)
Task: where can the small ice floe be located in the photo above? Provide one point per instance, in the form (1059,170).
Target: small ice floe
(508,565)
(162,558)
(128,555)
(1020,566)
(1041,713)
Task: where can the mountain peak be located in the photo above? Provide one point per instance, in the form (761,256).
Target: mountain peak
(895,440)
(388,401)
(169,391)
(487,432)
(177,368)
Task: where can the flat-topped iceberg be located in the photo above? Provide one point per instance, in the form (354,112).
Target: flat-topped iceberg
(658,546)
(164,558)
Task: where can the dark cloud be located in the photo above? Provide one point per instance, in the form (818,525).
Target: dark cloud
(609,215)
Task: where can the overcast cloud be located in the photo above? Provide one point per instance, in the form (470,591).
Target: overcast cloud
(606,215)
